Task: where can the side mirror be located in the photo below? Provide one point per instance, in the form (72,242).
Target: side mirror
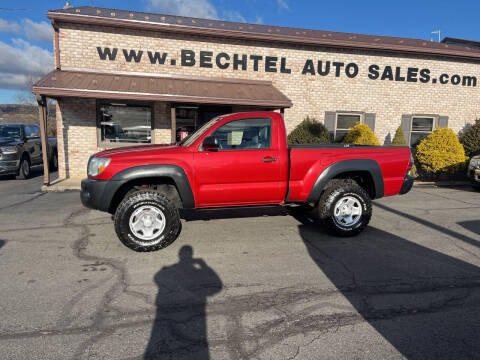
(211,143)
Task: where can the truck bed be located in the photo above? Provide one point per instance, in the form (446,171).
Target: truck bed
(308,161)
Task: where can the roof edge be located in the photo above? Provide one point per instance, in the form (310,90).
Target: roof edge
(271,37)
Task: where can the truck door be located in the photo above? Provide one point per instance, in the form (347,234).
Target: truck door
(33,143)
(246,167)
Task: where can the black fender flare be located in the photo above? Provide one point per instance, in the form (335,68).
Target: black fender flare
(371,166)
(173,172)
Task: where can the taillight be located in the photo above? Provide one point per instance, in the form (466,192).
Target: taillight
(410,164)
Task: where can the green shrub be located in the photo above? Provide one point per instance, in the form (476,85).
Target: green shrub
(471,139)
(441,152)
(399,138)
(309,131)
(361,134)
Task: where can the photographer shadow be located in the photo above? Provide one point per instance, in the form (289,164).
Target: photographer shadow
(180,328)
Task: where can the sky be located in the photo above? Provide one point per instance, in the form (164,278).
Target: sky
(26,34)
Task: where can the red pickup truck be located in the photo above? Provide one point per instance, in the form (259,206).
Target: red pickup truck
(240,160)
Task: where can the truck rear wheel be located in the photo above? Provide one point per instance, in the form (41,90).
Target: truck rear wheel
(344,208)
(147,221)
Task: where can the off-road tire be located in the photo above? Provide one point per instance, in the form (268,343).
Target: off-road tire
(334,191)
(24,171)
(155,199)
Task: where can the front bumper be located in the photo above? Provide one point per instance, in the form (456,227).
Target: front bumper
(8,167)
(93,194)
(407,184)
(474,175)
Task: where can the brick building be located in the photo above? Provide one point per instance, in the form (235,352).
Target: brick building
(125,78)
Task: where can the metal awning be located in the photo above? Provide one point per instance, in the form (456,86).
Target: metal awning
(61,83)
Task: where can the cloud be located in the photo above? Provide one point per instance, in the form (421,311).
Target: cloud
(40,32)
(193,8)
(232,15)
(21,62)
(9,27)
(198,8)
(283,5)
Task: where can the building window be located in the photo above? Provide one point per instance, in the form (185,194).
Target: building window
(124,123)
(421,128)
(344,123)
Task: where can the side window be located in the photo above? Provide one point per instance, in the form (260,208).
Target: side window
(28,131)
(35,130)
(244,134)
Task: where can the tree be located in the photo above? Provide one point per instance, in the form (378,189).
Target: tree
(399,138)
(361,134)
(24,95)
(309,131)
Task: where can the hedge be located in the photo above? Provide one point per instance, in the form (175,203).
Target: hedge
(471,139)
(361,134)
(441,152)
(309,131)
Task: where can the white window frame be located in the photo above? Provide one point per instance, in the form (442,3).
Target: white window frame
(360,114)
(434,125)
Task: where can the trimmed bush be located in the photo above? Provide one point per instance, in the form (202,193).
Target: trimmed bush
(361,134)
(471,139)
(309,131)
(399,138)
(441,152)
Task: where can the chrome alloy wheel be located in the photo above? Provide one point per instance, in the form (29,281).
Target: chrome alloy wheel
(147,222)
(347,211)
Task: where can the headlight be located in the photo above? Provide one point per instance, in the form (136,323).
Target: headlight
(8,149)
(96,165)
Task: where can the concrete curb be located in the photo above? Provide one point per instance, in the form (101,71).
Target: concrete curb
(441,183)
(61,185)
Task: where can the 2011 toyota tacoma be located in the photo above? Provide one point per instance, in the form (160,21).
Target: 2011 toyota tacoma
(240,160)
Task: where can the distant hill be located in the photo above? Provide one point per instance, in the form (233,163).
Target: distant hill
(25,113)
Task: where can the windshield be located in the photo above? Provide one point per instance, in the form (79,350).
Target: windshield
(9,131)
(190,139)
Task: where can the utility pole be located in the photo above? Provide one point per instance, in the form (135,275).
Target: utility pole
(437,32)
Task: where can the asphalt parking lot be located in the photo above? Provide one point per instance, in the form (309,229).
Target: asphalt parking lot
(243,284)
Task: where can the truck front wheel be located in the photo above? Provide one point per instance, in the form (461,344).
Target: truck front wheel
(147,221)
(344,208)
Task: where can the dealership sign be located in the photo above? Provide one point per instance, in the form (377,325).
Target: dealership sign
(274,64)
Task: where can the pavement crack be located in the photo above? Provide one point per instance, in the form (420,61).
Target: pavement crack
(120,285)
(37,195)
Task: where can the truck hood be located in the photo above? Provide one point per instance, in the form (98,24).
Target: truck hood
(138,150)
(9,141)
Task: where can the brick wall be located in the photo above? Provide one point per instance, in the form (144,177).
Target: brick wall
(77,133)
(311,94)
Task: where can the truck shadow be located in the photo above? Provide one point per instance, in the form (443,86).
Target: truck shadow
(431,225)
(180,328)
(472,225)
(233,213)
(423,302)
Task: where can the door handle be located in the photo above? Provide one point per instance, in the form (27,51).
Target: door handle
(269,159)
